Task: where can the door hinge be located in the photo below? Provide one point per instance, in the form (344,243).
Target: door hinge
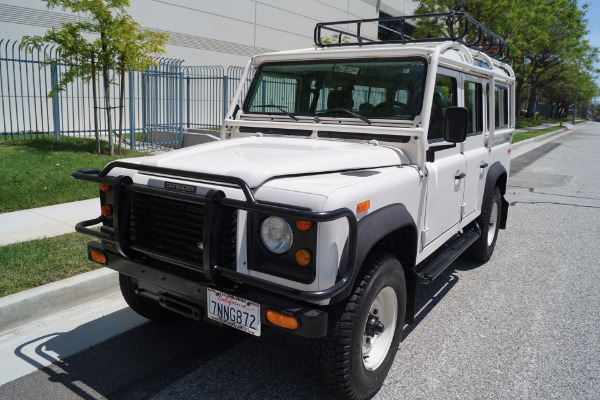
(462,210)
(424,236)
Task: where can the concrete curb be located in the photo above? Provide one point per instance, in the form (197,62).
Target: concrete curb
(25,307)
(541,137)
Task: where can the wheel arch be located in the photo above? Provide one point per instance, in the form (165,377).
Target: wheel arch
(393,229)
(497,176)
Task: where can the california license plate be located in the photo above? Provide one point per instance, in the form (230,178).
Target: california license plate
(234,311)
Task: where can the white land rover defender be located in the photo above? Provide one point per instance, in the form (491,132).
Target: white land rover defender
(350,173)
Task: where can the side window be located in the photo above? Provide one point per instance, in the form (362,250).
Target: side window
(444,96)
(474,104)
(501,111)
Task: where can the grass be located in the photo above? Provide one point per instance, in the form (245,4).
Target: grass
(525,123)
(535,132)
(36,172)
(38,262)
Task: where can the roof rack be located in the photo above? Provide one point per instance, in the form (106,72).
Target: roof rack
(455,26)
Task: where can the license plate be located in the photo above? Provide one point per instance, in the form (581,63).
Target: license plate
(234,311)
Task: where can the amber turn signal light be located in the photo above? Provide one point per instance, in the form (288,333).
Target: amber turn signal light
(282,320)
(104,187)
(363,206)
(98,257)
(303,225)
(106,210)
(303,257)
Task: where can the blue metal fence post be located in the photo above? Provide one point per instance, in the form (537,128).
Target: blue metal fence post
(225,102)
(132,110)
(181,100)
(187,100)
(55,101)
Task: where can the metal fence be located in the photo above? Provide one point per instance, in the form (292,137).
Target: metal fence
(159,103)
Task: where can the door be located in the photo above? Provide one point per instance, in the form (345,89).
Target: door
(445,181)
(474,149)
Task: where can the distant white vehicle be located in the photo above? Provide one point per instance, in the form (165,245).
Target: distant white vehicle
(350,173)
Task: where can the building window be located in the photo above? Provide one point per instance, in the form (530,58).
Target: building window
(390,30)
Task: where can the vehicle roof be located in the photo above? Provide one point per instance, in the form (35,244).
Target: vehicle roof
(450,52)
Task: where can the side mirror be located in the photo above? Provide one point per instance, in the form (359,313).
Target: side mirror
(455,124)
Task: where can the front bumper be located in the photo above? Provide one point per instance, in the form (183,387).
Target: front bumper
(189,296)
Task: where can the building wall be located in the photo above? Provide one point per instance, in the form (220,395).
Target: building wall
(204,32)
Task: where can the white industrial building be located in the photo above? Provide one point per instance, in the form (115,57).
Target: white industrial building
(205,32)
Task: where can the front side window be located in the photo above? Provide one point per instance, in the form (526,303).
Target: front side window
(444,96)
(373,89)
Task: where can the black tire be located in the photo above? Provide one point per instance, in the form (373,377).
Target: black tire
(489,222)
(145,307)
(339,355)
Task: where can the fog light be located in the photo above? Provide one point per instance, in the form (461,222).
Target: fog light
(282,320)
(106,210)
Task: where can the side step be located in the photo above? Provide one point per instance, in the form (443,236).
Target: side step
(453,249)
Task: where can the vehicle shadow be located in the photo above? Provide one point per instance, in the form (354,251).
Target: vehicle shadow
(185,359)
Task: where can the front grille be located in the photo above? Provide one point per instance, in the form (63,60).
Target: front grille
(175,229)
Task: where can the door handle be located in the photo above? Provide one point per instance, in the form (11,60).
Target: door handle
(483,165)
(460,176)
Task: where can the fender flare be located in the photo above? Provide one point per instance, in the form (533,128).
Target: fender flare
(371,229)
(496,176)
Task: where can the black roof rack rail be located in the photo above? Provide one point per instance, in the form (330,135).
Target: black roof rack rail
(460,27)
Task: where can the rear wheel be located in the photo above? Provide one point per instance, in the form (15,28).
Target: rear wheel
(145,307)
(365,332)
(489,222)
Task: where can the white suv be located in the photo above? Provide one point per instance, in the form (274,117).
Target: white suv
(350,173)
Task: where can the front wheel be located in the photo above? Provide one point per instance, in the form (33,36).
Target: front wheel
(489,222)
(365,332)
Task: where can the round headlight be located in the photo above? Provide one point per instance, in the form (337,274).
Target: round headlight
(276,235)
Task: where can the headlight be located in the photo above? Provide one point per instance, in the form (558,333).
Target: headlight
(276,235)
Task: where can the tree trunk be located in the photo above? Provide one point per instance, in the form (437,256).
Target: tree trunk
(531,102)
(106,81)
(111,148)
(121,96)
(95,97)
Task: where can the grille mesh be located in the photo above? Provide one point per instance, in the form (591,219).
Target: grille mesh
(175,228)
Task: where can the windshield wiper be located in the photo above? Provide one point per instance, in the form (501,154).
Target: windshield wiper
(347,111)
(281,108)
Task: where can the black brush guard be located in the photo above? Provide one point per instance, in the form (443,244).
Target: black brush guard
(213,202)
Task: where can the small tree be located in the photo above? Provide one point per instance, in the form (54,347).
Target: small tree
(110,42)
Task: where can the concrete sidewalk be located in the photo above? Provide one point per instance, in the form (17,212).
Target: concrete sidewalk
(35,223)
(28,306)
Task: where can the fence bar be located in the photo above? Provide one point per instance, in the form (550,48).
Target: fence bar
(55,106)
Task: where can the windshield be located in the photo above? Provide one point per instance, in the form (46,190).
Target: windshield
(369,88)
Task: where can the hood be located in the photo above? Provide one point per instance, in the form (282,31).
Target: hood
(258,159)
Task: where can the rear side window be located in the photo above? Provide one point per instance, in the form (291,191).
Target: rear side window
(444,96)
(502,104)
(474,104)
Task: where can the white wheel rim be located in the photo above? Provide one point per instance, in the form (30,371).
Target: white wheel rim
(375,348)
(493,221)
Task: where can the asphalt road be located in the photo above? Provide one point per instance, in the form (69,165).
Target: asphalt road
(525,325)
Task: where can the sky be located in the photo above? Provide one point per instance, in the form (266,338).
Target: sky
(593,17)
